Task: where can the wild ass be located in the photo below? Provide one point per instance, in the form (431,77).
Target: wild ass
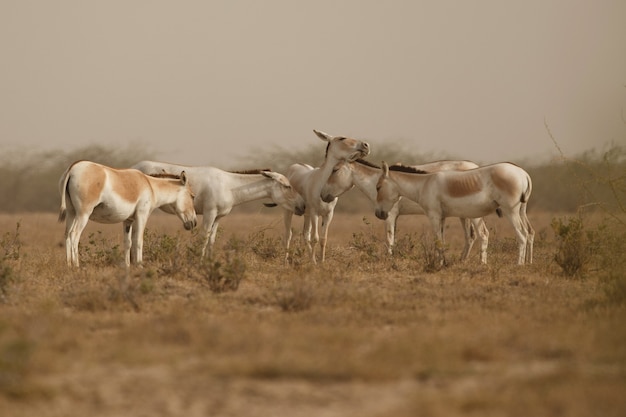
(90,191)
(364,175)
(308,181)
(503,188)
(218,191)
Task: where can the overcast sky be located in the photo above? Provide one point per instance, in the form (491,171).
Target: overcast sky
(209,82)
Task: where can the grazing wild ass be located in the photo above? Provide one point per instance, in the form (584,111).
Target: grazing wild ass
(218,191)
(503,188)
(308,181)
(90,191)
(364,175)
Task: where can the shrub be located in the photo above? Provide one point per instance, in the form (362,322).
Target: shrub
(265,247)
(367,244)
(100,252)
(11,244)
(573,245)
(225,272)
(431,251)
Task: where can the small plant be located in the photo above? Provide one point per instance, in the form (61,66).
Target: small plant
(11,244)
(432,252)
(367,244)
(574,245)
(100,252)
(6,276)
(265,247)
(225,274)
(297,254)
(404,246)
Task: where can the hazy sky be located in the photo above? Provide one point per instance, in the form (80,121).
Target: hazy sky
(209,82)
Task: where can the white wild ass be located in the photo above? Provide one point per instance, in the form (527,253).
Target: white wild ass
(308,181)
(364,175)
(503,188)
(90,191)
(218,191)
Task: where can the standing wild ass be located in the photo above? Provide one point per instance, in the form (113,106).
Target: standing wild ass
(503,188)
(218,191)
(90,191)
(364,175)
(308,181)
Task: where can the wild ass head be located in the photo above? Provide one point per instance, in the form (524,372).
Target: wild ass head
(183,205)
(341,148)
(387,193)
(283,194)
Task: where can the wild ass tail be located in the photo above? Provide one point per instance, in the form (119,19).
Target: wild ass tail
(63,189)
(529,187)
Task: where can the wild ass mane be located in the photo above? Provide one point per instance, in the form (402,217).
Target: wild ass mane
(367,163)
(408,169)
(252,171)
(166,175)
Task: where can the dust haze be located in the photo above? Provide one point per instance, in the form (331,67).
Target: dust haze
(213,82)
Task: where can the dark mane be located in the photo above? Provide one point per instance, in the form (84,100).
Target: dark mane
(251,171)
(366,163)
(404,168)
(166,175)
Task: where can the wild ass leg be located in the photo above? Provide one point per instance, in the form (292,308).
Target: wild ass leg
(521,235)
(483,234)
(128,243)
(78,225)
(530,237)
(306,233)
(390,231)
(313,236)
(438,224)
(70,218)
(326,220)
(469,232)
(139,228)
(208,224)
(287,217)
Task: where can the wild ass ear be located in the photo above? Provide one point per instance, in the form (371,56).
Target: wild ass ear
(279,178)
(183,178)
(385,169)
(324,136)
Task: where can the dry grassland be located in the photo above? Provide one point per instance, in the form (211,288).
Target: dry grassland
(362,335)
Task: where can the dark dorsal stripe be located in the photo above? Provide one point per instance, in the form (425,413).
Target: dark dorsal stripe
(251,171)
(404,168)
(166,175)
(367,163)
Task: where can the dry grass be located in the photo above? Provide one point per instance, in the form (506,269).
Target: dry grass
(361,335)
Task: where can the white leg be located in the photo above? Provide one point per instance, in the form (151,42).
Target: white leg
(75,232)
(208,219)
(314,236)
(138,230)
(287,217)
(483,235)
(521,234)
(324,237)
(530,237)
(469,232)
(438,224)
(390,231)
(69,221)
(128,229)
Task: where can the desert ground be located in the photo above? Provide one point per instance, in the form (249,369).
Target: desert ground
(246,334)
